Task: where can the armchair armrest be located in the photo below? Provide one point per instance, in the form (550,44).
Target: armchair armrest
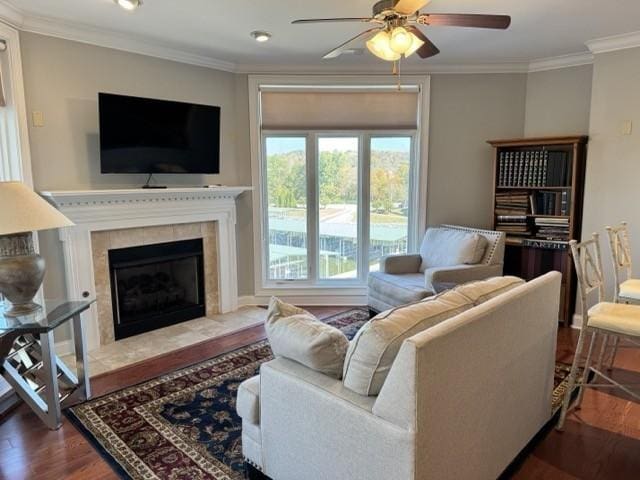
(398,264)
(442,278)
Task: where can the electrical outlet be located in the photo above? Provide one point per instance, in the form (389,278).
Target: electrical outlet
(38,119)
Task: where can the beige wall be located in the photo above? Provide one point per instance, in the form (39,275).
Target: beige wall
(558,102)
(613,162)
(466,111)
(63,78)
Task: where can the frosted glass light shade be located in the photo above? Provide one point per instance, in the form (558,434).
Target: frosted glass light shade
(23,210)
(400,40)
(416,43)
(379,46)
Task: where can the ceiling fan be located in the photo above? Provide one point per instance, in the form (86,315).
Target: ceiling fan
(396,35)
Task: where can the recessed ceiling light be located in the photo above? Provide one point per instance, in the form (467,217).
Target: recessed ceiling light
(260,36)
(129,4)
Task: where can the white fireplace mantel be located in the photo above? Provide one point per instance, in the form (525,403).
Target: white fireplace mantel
(99,210)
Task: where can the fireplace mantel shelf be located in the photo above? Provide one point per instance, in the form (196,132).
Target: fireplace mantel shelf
(136,195)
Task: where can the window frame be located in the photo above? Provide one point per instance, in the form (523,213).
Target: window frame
(335,292)
(312,159)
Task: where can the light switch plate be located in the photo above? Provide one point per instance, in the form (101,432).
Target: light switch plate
(38,119)
(627,127)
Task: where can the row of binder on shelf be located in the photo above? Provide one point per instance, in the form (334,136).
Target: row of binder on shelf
(533,168)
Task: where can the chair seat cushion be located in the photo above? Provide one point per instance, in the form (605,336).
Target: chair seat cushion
(616,317)
(297,335)
(445,247)
(398,289)
(248,400)
(630,289)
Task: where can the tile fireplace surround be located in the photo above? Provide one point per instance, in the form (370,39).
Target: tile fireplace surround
(107,219)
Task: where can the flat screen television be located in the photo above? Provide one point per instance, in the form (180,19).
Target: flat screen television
(142,135)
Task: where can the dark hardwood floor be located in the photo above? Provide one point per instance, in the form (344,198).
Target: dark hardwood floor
(601,441)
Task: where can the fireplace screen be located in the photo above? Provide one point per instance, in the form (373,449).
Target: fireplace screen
(154,286)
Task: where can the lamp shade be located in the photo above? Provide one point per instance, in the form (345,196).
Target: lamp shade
(23,210)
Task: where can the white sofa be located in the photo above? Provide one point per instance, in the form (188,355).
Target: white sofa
(444,261)
(460,401)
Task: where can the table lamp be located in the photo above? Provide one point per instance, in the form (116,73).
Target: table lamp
(23,211)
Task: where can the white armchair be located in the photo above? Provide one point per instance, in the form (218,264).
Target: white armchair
(446,259)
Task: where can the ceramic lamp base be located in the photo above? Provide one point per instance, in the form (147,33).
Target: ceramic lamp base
(21,273)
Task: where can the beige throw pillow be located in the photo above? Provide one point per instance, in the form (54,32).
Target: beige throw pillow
(296,334)
(446,247)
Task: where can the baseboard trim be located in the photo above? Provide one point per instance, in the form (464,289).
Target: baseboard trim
(577,322)
(311,300)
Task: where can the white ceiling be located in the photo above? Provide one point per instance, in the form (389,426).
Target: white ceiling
(219,29)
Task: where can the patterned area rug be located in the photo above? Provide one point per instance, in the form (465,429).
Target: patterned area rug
(184,426)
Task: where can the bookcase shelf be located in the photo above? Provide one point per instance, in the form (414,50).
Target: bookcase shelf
(540,220)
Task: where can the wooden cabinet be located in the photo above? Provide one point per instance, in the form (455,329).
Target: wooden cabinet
(538,191)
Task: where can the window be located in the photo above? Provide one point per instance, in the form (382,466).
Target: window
(339,168)
(335,203)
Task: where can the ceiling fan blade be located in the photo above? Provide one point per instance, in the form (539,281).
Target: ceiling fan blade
(428,49)
(409,7)
(336,52)
(465,20)
(327,20)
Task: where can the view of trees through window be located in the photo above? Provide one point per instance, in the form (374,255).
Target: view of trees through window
(339,241)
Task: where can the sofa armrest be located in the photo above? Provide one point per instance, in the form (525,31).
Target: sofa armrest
(307,417)
(442,278)
(399,264)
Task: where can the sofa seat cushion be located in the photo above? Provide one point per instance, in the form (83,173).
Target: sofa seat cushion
(445,247)
(374,348)
(297,335)
(630,289)
(482,290)
(248,400)
(398,289)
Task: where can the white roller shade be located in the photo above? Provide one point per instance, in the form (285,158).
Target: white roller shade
(339,110)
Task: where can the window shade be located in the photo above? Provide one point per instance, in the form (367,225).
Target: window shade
(339,110)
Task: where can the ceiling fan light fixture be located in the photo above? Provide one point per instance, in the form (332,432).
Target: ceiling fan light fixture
(400,40)
(380,46)
(129,5)
(416,43)
(260,36)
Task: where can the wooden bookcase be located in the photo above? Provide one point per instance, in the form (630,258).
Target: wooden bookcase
(549,174)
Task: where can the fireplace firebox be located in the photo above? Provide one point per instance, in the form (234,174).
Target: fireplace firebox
(154,286)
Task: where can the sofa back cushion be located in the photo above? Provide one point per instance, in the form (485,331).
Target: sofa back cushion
(374,348)
(296,334)
(444,247)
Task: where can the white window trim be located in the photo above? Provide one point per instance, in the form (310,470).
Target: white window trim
(19,163)
(295,82)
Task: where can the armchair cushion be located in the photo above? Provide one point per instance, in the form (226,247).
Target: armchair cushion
(374,348)
(296,334)
(443,247)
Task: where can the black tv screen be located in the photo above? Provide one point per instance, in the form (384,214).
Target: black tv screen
(141,135)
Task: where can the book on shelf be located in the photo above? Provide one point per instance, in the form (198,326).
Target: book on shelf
(533,168)
(550,203)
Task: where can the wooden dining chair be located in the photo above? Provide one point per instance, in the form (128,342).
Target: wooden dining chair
(606,319)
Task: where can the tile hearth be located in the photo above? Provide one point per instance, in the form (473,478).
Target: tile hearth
(164,340)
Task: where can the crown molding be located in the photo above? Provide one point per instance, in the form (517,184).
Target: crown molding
(562,61)
(106,38)
(383,69)
(615,42)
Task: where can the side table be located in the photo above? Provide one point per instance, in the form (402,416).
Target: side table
(30,365)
